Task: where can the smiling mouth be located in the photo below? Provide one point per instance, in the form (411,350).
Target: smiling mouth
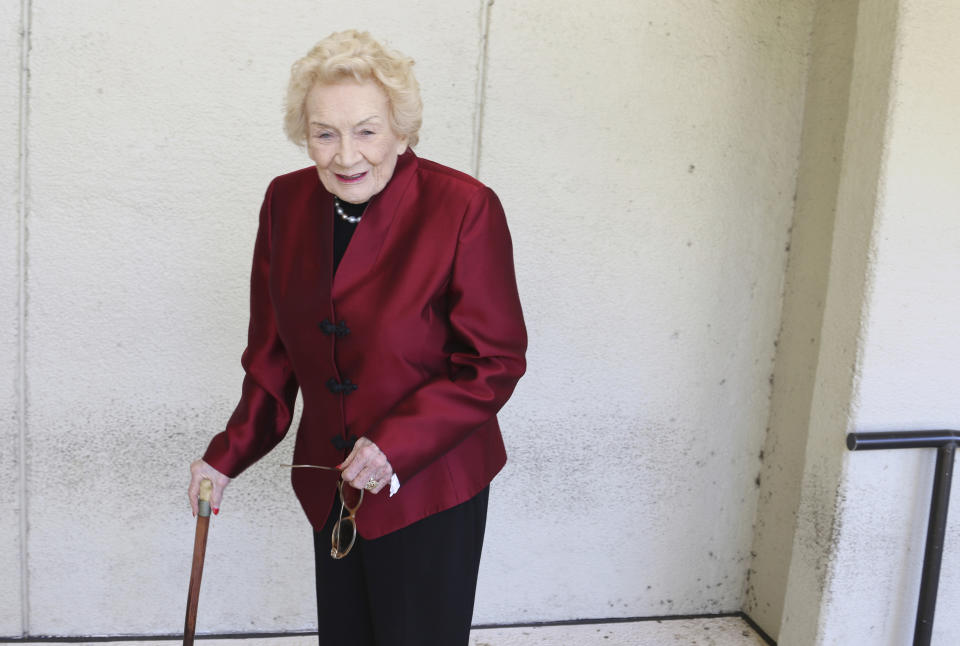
(351,179)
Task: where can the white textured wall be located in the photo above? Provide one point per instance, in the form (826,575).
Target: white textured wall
(153,136)
(807,278)
(888,351)
(9,319)
(910,348)
(646,153)
(813,551)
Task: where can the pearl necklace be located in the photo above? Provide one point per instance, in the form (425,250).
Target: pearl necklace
(352,219)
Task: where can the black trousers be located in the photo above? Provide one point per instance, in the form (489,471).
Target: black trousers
(412,587)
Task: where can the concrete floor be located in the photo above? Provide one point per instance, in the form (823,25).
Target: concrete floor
(715,631)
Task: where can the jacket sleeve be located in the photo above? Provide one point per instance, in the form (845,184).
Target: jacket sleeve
(486,356)
(269,392)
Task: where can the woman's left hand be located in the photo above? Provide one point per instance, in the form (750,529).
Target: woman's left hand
(366,462)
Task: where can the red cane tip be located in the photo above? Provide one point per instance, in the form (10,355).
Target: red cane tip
(216,510)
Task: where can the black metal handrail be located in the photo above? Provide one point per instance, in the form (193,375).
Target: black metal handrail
(946,443)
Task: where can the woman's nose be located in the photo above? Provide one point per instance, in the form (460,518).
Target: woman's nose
(348,154)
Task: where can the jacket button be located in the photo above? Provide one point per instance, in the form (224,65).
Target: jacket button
(340,329)
(344,388)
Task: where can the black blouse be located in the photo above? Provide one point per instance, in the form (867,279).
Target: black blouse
(343,230)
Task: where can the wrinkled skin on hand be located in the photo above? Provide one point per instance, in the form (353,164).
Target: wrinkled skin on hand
(198,471)
(366,461)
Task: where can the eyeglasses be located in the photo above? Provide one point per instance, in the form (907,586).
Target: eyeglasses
(344,530)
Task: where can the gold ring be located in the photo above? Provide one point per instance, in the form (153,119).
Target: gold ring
(371,484)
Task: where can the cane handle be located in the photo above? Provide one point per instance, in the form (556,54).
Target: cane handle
(203,500)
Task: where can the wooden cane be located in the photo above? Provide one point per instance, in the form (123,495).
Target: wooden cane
(199,549)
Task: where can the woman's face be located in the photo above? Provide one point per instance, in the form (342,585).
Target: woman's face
(350,139)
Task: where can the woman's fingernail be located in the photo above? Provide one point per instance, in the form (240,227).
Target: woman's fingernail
(340,466)
(216,510)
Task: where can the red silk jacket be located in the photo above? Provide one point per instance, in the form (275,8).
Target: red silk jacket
(416,343)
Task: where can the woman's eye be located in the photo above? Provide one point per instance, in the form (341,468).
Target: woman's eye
(367,133)
(323,135)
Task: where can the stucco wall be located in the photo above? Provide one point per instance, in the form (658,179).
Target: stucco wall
(10,615)
(888,349)
(831,408)
(910,349)
(153,136)
(808,274)
(646,154)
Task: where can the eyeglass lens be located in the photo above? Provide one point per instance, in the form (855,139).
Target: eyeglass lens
(345,529)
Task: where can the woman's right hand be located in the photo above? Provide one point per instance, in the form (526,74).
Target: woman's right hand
(198,471)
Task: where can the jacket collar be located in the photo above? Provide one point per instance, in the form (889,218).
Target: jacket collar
(372,230)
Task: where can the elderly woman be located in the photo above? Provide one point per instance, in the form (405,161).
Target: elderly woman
(383,290)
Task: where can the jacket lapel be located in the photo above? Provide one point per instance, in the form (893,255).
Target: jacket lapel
(320,211)
(367,240)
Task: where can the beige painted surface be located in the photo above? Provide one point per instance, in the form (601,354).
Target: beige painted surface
(808,271)
(722,631)
(910,348)
(887,344)
(813,555)
(647,154)
(153,136)
(10,492)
